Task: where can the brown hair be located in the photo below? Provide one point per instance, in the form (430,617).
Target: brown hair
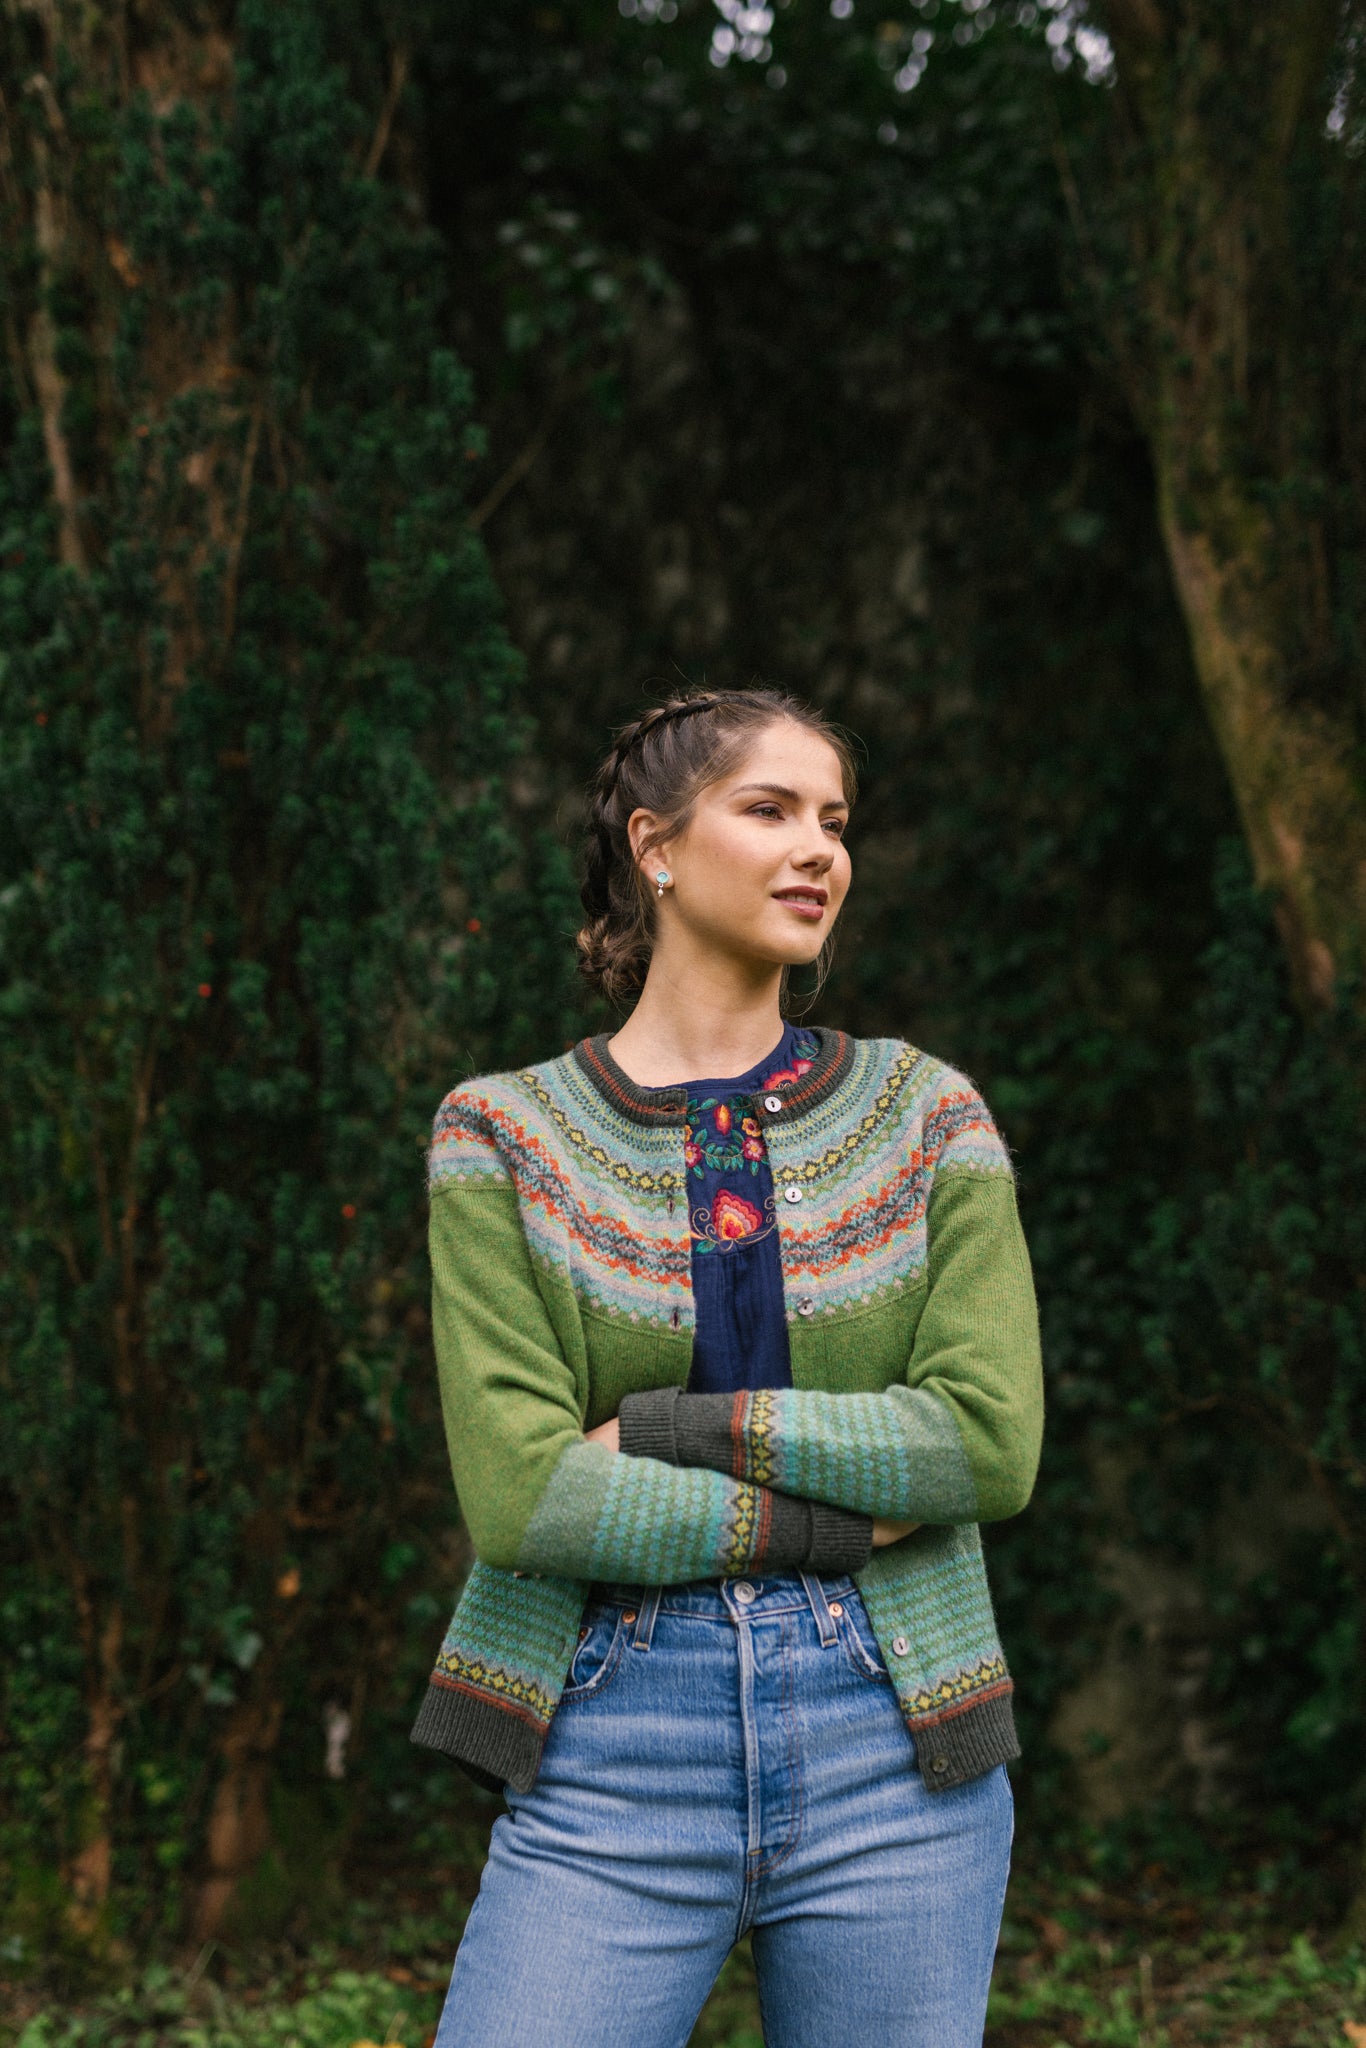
(662,762)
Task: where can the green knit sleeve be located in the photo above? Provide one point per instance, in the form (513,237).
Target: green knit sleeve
(536,1496)
(957,1442)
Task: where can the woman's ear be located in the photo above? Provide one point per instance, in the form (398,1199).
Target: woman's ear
(640,828)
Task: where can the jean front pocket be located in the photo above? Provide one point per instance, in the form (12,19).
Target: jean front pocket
(857,1640)
(602,1637)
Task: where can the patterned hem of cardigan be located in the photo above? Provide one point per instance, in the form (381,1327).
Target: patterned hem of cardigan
(954,1747)
(495,1745)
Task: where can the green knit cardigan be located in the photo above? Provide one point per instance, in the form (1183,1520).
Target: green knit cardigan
(562,1295)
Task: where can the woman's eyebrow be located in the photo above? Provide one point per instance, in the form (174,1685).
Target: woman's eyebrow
(793,796)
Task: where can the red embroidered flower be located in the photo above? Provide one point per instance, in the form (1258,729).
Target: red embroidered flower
(776,1080)
(722,1118)
(692,1153)
(733,1216)
(801,1066)
(752,1140)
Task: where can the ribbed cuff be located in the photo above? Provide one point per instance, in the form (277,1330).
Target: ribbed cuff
(704,1431)
(646,1423)
(841,1541)
(808,1535)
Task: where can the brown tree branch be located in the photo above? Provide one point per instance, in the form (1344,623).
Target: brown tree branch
(521,464)
(379,142)
(238,533)
(49,383)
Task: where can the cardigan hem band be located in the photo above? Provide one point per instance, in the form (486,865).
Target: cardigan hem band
(495,1748)
(492,1745)
(952,1748)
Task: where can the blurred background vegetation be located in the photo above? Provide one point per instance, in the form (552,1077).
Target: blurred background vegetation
(393,399)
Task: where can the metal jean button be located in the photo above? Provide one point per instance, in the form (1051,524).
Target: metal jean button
(744,1592)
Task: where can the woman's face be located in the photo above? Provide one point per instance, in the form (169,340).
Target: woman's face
(762,869)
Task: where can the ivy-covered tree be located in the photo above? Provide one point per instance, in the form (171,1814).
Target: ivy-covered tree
(262,896)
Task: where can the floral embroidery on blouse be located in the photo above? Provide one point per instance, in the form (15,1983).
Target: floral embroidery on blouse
(730,1219)
(717,1140)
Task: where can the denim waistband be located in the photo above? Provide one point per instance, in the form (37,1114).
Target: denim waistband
(749,1599)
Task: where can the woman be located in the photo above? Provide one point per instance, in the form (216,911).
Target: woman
(729,1650)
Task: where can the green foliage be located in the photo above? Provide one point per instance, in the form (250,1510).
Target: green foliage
(1258,1335)
(262,896)
(332,2009)
(933,208)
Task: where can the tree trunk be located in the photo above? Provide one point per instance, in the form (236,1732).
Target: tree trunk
(238,1833)
(1235,357)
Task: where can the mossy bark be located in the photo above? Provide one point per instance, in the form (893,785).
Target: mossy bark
(1235,314)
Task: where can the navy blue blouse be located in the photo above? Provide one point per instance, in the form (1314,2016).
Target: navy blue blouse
(737,1277)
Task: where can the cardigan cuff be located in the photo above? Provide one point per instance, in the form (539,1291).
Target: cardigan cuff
(646,1425)
(704,1432)
(806,1535)
(841,1541)
(686,1429)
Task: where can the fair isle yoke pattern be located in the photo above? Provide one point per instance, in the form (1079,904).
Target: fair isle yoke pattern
(868,1158)
(598,1194)
(608,1194)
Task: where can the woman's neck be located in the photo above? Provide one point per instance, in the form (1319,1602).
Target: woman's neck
(682,1032)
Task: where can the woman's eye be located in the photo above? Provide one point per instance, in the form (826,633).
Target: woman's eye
(766,811)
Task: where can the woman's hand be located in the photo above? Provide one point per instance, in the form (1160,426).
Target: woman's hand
(608,1433)
(891,1532)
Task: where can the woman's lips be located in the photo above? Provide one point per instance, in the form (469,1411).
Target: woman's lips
(812,908)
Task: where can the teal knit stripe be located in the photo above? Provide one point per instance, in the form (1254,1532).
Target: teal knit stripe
(522,1672)
(610,1517)
(897,1454)
(930,1594)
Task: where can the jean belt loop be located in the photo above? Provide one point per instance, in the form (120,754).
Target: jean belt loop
(645,1618)
(820,1607)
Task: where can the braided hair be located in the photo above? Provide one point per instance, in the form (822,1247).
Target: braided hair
(661,762)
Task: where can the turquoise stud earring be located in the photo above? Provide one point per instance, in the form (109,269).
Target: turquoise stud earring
(663,879)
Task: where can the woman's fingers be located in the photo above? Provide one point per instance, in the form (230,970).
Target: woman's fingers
(885,1532)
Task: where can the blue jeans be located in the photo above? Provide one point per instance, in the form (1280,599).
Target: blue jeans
(729,1758)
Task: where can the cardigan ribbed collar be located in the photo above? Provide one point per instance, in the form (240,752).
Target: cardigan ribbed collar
(666,1105)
